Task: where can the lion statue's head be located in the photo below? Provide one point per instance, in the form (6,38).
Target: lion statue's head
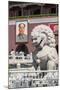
(43,35)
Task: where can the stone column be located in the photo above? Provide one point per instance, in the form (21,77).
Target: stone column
(22,11)
(41,11)
(18,65)
(56,9)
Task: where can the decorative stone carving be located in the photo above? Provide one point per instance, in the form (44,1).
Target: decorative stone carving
(43,40)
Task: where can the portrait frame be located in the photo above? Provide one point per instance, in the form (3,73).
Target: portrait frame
(24,37)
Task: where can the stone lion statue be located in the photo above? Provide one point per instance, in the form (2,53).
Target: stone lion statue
(45,54)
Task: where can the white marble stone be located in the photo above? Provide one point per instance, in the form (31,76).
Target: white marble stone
(43,40)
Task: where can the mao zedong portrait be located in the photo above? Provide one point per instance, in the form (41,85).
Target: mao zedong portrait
(21,36)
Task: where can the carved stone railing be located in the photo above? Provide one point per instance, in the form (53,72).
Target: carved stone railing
(21,77)
(20,59)
(25,77)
